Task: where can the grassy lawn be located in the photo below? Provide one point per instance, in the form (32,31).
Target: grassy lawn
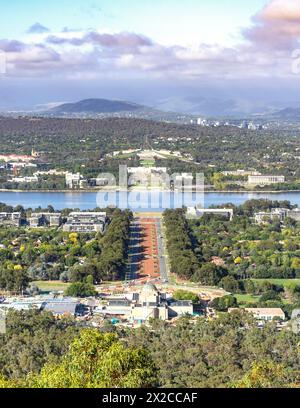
(147,163)
(247,298)
(49,286)
(284,282)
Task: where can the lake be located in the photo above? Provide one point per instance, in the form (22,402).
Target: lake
(137,201)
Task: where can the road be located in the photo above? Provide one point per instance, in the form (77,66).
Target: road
(134,252)
(161,246)
(147,253)
(148,258)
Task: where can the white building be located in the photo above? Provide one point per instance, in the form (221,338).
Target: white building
(279,214)
(184,179)
(276,214)
(52,172)
(13,219)
(294,214)
(147,176)
(73,180)
(263,314)
(85,222)
(241,172)
(263,180)
(44,219)
(26,179)
(146,305)
(195,212)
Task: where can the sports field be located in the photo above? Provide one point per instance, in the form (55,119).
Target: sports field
(51,286)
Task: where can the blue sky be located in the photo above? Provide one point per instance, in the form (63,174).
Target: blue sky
(161,52)
(166,21)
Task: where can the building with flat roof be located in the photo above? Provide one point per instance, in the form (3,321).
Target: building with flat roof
(16,157)
(294,214)
(85,222)
(26,179)
(264,180)
(73,180)
(148,304)
(64,308)
(276,214)
(147,176)
(195,212)
(241,172)
(10,219)
(265,314)
(45,219)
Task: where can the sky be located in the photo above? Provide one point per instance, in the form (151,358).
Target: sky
(166,53)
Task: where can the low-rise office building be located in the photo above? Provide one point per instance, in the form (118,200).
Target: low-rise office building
(85,222)
(64,307)
(294,214)
(10,219)
(73,180)
(264,314)
(147,176)
(195,212)
(262,180)
(45,219)
(99,181)
(277,214)
(26,179)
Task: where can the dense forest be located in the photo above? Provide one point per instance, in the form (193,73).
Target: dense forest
(229,351)
(84,143)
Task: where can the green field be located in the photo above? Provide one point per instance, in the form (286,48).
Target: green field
(148,163)
(284,282)
(51,286)
(247,298)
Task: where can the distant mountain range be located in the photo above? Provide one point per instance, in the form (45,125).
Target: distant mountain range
(287,114)
(103,108)
(169,109)
(96,106)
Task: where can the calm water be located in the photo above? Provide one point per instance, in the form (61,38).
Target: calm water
(137,201)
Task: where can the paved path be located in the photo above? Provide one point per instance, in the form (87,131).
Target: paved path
(147,258)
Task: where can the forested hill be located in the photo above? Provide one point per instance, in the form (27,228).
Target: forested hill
(82,144)
(97,106)
(292,114)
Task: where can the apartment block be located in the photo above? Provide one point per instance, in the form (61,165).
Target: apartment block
(85,222)
(10,219)
(45,219)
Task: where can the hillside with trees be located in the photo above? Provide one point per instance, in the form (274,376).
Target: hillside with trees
(84,145)
(229,351)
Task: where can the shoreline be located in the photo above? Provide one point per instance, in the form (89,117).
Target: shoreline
(116,190)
